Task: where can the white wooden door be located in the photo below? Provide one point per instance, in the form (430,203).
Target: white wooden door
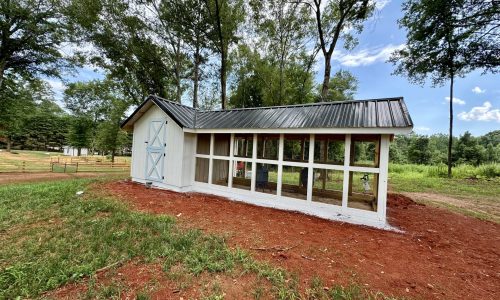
(155,150)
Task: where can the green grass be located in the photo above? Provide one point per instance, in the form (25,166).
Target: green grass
(418,180)
(50,237)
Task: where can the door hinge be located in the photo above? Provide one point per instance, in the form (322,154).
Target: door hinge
(165,145)
(163,154)
(166,122)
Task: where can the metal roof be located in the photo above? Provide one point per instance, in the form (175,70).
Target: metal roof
(373,113)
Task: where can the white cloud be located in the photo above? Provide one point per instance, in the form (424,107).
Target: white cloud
(379,4)
(367,56)
(455,100)
(57,87)
(481,113)
(421,129)
(478,90)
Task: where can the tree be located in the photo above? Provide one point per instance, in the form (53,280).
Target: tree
(335,20)
(446,39)
(343,86)
(190,19)
(132,45)
(32,32)
(282,29)
(468,150)
(18,103)
(225,17)
(418,151)
(85,100)
(80,133)
(110,137)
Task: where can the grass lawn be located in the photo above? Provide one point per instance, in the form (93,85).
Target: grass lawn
(50,236)
(479,198)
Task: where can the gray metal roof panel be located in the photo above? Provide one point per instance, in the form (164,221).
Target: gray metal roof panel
(388,112)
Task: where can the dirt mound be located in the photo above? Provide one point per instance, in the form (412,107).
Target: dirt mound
(440,255)
(401,201)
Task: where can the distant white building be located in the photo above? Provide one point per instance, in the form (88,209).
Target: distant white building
(72,151)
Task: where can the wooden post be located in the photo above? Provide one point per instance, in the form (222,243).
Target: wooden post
(65,167)
(76,167)
(24,166)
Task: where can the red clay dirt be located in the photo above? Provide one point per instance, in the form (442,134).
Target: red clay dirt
(440,255)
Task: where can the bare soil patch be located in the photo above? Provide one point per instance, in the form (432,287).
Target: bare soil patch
(6,178)
(487,208)
(440,255)
(135,278)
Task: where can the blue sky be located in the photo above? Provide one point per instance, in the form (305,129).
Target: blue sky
(477,97)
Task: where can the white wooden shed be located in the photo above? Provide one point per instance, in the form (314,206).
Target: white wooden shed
(324,159)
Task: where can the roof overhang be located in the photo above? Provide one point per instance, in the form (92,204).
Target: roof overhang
(378,130)
(128,124)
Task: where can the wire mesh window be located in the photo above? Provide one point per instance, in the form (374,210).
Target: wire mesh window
(363,191)
(221,144)
(201,170)
(329,149)
(267,146)
(242,175)
(220,172)
(294,182)
(328,186)
(243,145)
(203,143)
(365,150)
(296,147)
(266,178)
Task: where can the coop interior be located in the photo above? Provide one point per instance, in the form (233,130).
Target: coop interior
(327,181)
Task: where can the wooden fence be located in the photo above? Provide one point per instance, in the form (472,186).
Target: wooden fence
(63,166)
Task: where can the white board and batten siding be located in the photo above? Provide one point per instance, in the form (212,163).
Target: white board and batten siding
(174,161)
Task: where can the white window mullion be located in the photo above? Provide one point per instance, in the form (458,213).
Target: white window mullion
(383,177)
(347,159)
(231,162)
(280,164)
(310,179)
(211,161)
(254,164)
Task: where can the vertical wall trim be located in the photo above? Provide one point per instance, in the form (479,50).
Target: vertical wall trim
(383,177)
(211,161)
(231,162)
(254,164)
(347,160)
(310,173)
(280,164)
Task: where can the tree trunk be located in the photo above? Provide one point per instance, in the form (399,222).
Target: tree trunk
(223,75)
(9,144)
(450,137)
(196,75)
(2,72)
(223,55)
(326,77)
(178,71)
(79,152)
